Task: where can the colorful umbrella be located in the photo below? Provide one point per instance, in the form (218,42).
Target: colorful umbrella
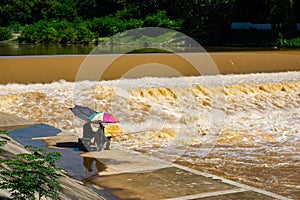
(82,112)
(87,113)
(103,117)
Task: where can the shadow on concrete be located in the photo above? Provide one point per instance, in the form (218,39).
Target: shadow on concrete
(25,135)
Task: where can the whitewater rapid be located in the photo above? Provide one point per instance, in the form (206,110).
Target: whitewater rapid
(223,124)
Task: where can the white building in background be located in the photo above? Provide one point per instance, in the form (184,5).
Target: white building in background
(249,25)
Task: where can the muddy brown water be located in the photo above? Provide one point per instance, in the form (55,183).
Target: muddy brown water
(259,144)
(35,69)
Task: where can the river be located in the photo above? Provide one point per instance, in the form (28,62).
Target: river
(243,127)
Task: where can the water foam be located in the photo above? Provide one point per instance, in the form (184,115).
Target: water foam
(249,117)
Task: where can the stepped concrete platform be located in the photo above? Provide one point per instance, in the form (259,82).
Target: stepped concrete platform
(132,175)
(12,122)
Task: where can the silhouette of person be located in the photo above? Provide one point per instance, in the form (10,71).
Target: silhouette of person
(99,136)
(88,131)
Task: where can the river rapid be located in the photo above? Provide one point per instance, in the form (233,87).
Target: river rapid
(241,127)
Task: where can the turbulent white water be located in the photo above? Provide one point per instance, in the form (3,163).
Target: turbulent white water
(205,121)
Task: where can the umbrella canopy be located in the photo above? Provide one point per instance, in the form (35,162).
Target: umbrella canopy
(103,117)
(83,112)
(89,114)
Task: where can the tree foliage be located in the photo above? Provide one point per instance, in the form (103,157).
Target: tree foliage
(4,34)
(206,20)
(31,175)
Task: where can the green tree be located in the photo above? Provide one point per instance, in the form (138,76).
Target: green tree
(84,35)
(160,19)
(204,21)
(86,8)
(67,32)
(255,11)
(31,174)
(4,34)
(15,11)
(282,14)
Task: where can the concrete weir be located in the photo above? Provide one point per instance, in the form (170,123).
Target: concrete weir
(133,175)
(45,69)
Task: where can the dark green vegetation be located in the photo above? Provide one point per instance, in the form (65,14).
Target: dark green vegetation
(207,21)
(149,50)
(4,34)
(28,176)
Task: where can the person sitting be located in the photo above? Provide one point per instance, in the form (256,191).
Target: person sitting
(101,139)
(98,138)
(88,131)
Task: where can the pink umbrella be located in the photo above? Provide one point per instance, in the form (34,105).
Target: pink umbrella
(103,117)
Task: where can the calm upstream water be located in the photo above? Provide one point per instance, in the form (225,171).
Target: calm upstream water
(16,49)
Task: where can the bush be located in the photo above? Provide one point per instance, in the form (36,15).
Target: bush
(31,174)
(134,23)
(4,34)
(107,26)
(67,32)
(34,33)
(292,43)
(57,31)
(84,35)
(160,19)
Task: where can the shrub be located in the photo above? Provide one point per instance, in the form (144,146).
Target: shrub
(15,27)
(107,26)
(292,43)
(57,31)
(84,35)
(66,31)
(160,19)
(4,34)
(134,23)
(31,174)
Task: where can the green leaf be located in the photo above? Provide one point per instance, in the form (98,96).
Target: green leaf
(31,174)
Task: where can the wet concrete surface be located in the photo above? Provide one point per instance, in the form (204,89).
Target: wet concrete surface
(158,179)
(159,184)
(242,195)
(121,174)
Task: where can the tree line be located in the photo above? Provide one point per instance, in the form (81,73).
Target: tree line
(207,21)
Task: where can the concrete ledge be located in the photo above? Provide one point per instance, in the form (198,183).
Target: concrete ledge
(132,174)
(12,122)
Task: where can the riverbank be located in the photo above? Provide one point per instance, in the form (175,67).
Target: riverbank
(45,69)
(71,188)
(139,176)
